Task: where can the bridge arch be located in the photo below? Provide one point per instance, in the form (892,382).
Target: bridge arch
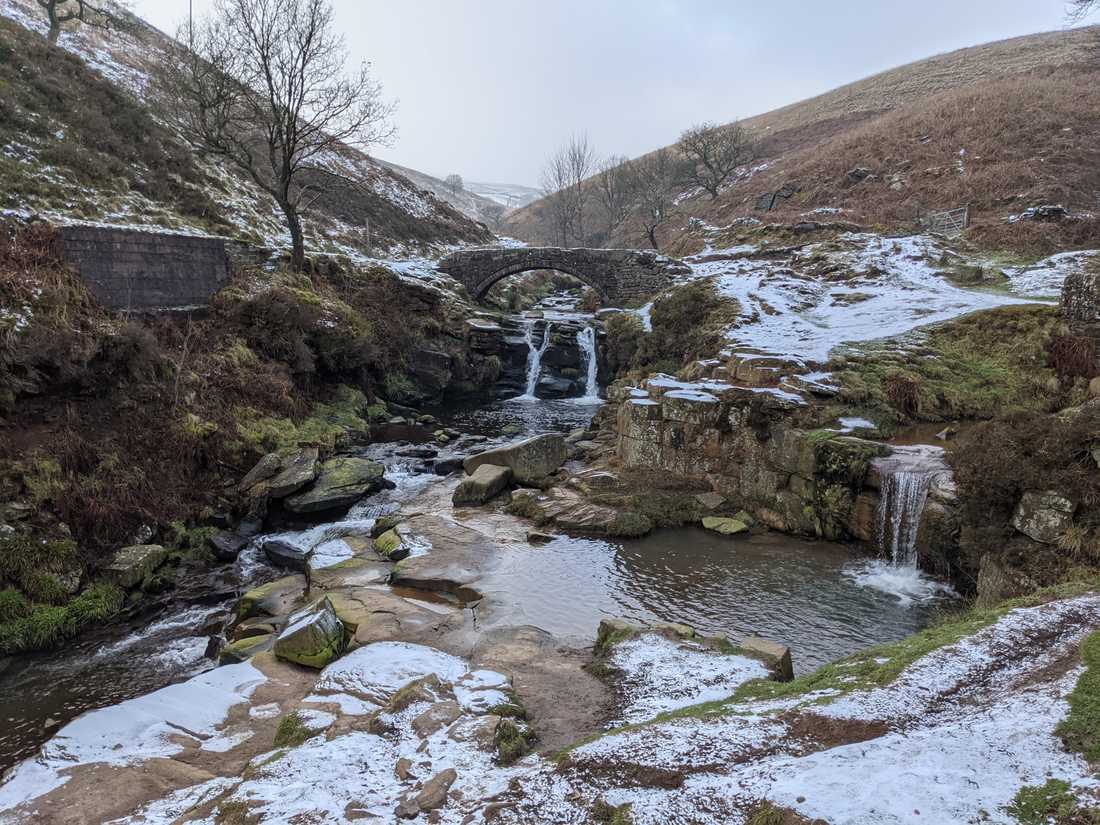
(618,275)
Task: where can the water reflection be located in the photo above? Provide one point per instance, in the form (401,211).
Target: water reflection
(776,586)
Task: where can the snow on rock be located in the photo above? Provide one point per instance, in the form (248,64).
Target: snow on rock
(375,672)
(661,674)
(134,731)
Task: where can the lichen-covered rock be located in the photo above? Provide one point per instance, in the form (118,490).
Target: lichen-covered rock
(487,481)
(272,599)
(530,460)
(314,636)
(298,469)
(392,545)
(244,649)
(1044,515)
(340,483)
(725,526)
(132,564)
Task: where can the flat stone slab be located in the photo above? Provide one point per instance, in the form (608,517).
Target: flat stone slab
(456,561)
(487,481)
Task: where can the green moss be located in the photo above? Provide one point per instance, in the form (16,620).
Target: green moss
(628,524)
(340,421)
(32,564)
(513,741)
(292,731)
(962,369)
(43,479)
(1080,730)
(610,634)
(1051,804)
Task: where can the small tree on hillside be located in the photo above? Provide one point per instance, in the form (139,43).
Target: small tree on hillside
(713,153)
(656,180)
(266,90)
(60,12)
(454,183)
(563,184)
(616,191)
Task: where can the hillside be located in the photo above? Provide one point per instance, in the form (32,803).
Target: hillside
(1002,127)
(466,200)
(510,195)
(81,140)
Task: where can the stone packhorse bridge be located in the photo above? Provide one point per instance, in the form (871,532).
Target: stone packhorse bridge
(618,275)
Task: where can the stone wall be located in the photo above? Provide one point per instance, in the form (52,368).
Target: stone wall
(133,270)
(1081,299)
(618,275)
(761,451)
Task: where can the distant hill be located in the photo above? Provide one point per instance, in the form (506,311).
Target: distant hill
(82,139)
(509,195)
(1002,127)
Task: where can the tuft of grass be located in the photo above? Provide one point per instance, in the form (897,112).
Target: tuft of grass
(513,741)
(1080,730)
(46,626)
(292,731)
(766,814)
(608,814)
(1051,804)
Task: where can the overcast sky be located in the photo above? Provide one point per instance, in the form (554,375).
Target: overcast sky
(488,88)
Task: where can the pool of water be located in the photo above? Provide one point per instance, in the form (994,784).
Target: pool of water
(801,593)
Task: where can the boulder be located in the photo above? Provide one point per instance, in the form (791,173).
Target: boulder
(725,526)
(272,599)
(298,469)
(340,483)
(226,544)
(314,636)
(776,656)
(434,793)
(487,481)
(384,524)
(530,460)
(392,545)
(284,554)
(1043,515)
(132,564)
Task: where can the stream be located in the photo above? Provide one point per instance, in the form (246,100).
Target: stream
(819,598)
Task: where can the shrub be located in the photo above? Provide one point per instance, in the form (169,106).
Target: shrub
(1073,356)
(292,731)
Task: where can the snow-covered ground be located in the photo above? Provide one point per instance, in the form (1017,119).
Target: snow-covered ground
(510,195)
(860,287)
(951,739)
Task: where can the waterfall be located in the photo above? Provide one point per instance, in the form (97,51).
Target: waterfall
(586,339)
(534,356)
(907,474)
(901,504)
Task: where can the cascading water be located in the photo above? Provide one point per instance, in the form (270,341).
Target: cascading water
(534,357)
(586,339)
(907,476)
(903,496)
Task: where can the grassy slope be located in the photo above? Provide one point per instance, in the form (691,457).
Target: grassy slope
(1006,103)
(83,141)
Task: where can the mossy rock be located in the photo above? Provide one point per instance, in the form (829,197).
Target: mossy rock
(725,526)
(243,649)
(271,599)
(314,636)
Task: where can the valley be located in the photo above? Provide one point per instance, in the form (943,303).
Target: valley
(379,496)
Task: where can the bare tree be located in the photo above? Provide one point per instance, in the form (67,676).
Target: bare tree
(713,153)
(656,181)
(616,190)
(454,183)
(494,215)
(266,89)
(1079,9)
(60,12)
(563,184)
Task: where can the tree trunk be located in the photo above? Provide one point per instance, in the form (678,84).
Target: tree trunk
(652,235)
(297,241)
(55,29)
